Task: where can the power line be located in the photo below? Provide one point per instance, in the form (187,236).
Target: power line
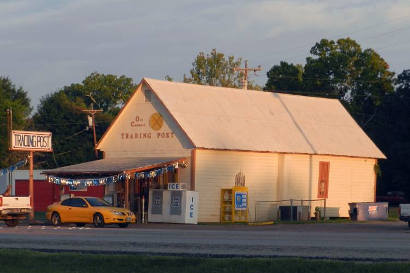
(346,34)
(322,79)
(245,73)
(68,123)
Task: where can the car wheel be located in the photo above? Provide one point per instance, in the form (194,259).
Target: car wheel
(55,219)
(98,220)
(123,225)
(11,222)
(80,224)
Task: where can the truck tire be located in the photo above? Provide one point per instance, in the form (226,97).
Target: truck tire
(11,222)
(55,219)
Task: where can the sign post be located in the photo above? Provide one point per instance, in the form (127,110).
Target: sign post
(31,185)
(31,142)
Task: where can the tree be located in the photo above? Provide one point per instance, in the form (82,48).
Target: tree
(15,98)
(390,129)
(61,113)
(339,69)
(217,70)
(361,79)
(110,91)
(285,76)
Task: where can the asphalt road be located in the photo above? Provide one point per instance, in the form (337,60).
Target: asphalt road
(358,241)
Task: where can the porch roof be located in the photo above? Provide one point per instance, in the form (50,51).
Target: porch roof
(111,166)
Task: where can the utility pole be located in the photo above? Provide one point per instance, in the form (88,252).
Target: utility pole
(9,112)
(91,113)
(245,73)
(9,128)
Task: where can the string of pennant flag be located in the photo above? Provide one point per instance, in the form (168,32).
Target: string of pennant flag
(111,179)
(13,167)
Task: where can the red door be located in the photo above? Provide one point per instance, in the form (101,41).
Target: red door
(323,183)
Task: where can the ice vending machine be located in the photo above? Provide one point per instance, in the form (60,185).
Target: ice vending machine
(173,206)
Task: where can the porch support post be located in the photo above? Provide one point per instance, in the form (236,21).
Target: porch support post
(127,191)
(31,186)
(193,163)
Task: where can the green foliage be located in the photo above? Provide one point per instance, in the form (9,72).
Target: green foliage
(110,91)
(169,78)
(338,69)
(217,70)
(390,129)
(285,76)
(361,79)
(15,98)
(61,113)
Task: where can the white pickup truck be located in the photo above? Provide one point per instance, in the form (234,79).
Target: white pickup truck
(13,209)
(405,213)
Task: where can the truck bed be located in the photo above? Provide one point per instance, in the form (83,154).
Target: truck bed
(14,202)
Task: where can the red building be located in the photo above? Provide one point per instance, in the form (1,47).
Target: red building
(46,193)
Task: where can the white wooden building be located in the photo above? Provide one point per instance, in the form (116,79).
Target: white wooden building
(278,141)
(287,146)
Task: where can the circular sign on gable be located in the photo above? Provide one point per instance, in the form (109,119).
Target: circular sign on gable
(156,121)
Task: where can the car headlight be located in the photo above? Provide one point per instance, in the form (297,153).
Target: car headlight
(116,212)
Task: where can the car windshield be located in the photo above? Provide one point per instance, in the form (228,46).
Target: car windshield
(97,202)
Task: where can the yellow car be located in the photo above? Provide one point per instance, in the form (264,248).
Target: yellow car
(88,210)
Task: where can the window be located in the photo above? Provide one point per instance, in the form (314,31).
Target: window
(66,202)
(323,183)
(147,94)
(97,202)
(78,202)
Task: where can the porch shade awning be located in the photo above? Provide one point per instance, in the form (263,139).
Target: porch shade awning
(111,166)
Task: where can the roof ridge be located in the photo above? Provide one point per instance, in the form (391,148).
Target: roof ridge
(238,90)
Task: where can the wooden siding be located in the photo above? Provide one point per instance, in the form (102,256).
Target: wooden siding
(184,174)
(295,183)
(216,170)
(350,180)
(118,142)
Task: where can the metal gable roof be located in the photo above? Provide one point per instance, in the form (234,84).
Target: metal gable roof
(234,119)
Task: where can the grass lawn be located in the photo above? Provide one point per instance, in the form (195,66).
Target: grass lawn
(30,261)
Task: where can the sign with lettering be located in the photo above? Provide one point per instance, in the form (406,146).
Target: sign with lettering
(176,186)
(175,204)
(241,200)
(156,205)
(154,129)
(31,141)
(191,208)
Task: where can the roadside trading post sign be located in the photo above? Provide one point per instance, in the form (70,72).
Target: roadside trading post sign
(31,141)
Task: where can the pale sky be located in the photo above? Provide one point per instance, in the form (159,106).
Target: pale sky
(47,44)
